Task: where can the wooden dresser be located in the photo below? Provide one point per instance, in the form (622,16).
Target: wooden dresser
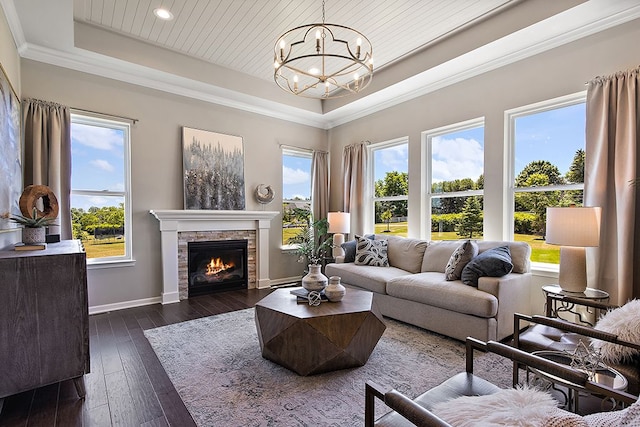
(44,319)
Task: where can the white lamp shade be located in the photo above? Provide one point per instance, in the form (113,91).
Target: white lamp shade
(573,226)
(339,222)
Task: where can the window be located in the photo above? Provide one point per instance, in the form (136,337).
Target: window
(390,186)
(296,192)
(100,189)
(455,180)
(548,141)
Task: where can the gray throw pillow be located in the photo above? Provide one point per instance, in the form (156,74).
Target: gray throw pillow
(371,252)
(459,259)
(494,262)
(350,248)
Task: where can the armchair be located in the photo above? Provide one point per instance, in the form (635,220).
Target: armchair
(419,411)
(552,333)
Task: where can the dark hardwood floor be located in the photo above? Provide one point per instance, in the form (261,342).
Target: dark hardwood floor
(127,385)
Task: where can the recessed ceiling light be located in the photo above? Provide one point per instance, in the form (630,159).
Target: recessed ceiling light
(163,14)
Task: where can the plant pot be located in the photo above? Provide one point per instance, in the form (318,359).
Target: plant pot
(315,280)
(33,235)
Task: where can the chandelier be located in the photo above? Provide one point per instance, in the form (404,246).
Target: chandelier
(323,60)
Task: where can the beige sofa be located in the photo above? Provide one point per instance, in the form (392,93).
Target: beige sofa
(413,288)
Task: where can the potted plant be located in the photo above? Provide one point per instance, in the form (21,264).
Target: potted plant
(312,244)
(33,231)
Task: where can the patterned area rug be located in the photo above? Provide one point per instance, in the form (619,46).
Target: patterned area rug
(216,366)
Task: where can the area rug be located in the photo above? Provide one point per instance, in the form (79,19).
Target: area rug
(216,366)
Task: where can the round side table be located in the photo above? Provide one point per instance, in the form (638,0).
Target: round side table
(584,314)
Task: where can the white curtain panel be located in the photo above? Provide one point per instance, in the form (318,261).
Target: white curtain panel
(611,166)
(354,164)
(320,184)
(47,138)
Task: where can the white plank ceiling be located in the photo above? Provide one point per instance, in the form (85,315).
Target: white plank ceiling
(241,34)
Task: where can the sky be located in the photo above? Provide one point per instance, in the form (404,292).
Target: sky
(296,177)
(97,155)
(554,135)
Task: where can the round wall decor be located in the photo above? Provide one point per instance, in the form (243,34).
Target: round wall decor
(264,194)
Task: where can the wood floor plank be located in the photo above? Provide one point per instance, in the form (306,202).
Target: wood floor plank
(158,422)
(107,344)
(44,405)
(69,413)
(123,412)
(15,411)
(99,416)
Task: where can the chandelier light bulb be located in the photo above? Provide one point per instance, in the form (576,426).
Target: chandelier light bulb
(358,47)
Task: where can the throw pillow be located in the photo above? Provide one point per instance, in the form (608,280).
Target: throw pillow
(508,407)
(625,323)
(371,252)
(494,262)
(459,259)
(350,248)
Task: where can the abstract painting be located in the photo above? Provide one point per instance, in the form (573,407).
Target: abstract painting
(213,170)
(10,153)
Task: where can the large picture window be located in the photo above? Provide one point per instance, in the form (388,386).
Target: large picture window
(296,192)
(390,186)
(547,142)
(100,190)
(455,181)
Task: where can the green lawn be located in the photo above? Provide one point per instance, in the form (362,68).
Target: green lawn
(103,248)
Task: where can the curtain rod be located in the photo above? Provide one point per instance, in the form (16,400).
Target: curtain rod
(115,116)
(291,147)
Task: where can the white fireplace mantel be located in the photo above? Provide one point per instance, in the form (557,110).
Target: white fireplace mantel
(174,221)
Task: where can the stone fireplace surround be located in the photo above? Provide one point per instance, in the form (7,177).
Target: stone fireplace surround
(178,227)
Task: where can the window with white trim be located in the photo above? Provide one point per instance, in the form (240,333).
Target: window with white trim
(296,192)
(547,142)
(389,184)
(100,187)
(455,181)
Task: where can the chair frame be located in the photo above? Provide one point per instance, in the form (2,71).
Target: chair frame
(419,415)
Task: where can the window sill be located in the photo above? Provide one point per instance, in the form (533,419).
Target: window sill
(97,265)
(545,270)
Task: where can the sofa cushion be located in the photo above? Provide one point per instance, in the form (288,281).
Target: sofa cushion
(373,279)
(437,255)
(459,259)
(431,288)
(404,252)
(494,262)
(520,253)
(371,252)
(350,248)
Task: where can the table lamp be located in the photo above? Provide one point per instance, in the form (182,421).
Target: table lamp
(340,224)
(573,229)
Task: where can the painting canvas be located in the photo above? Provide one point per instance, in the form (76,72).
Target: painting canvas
(10,153)
(213,169)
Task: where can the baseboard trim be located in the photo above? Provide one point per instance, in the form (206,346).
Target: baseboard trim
(286,281)
(97,309)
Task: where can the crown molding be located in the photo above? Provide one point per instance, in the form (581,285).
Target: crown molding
(116,69)
(14,23)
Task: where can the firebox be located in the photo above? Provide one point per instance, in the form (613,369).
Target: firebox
(217,266)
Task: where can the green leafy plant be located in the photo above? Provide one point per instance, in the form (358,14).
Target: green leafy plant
(312,242)
(33,221)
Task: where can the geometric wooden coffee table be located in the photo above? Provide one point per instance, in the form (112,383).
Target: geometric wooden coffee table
(310,340)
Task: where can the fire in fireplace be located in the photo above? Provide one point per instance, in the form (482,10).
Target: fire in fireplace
(217,266)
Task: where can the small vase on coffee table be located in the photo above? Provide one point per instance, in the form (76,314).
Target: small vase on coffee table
(314,280)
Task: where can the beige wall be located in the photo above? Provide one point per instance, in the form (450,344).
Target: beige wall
(157,164)
(561,71)
(10,61)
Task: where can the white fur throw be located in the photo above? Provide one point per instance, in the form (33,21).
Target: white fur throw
(521,407)
(625,323)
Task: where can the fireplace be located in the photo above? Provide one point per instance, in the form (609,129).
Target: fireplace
(217,266)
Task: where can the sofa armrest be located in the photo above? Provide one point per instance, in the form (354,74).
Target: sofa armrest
(512,292)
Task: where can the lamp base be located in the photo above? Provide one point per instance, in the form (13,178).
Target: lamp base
(573,269)
(338,239)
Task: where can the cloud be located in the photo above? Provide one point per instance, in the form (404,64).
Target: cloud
(456,159)
(394,158)
(294,176)
(97,137)
(102,164)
